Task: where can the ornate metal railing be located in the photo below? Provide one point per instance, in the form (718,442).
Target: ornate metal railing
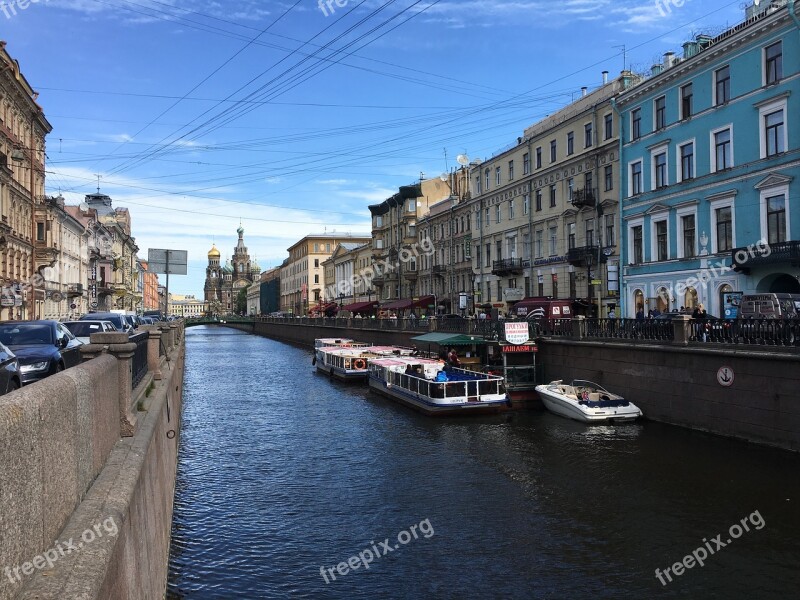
(139,363)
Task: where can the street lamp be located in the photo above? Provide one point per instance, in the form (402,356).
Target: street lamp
(370,291)
(341,300)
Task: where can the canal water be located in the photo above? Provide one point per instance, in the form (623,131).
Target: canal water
(285,476)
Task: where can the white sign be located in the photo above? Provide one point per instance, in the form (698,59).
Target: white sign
(513,294)
(517,333)
(725,376)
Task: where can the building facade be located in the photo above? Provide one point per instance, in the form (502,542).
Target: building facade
(544,212)
(224,282)
(23,128)
(711,161)
(149,285)
(270,290)
(186,306)
(302,276)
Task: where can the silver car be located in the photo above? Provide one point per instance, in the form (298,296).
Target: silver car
(83,330)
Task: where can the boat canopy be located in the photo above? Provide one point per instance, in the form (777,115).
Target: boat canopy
(449,339)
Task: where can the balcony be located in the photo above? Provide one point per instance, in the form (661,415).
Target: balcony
(439,270)
(74,289)
(510,266)
(584,197)
(744,259)
(410,275)
(585,256)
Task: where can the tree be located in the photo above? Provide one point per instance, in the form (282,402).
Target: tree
(241,302)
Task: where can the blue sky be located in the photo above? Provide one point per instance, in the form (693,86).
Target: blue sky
(199,113)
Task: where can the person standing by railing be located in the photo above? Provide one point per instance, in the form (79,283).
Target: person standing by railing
(700,315)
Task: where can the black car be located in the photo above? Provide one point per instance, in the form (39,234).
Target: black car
(42,347)
(9,371)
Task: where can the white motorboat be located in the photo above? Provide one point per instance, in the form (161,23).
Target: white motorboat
(587,402)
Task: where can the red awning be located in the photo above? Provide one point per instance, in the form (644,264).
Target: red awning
(406,303)
(360,306)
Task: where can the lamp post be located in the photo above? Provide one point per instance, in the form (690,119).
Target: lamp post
(370,291)
(341,300)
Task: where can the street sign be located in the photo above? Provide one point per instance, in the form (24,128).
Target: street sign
(73,306)
(516,333)
(93,305)
(597,282)
(168,262)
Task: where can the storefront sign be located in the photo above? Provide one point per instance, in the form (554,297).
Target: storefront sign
(517,349)
(513,294)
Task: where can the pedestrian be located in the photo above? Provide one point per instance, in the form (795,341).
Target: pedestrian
(700,315)
(612,314)
(482,316)
(452,358)
(640,314)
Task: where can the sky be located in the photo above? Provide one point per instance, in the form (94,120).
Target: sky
(291,117)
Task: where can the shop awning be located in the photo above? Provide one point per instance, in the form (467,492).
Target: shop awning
(406,303)
(449,339)
(360,306)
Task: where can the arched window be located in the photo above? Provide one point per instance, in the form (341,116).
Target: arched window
(638,301)
(690,298)
(662,300)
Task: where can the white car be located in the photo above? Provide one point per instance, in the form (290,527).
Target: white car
(82,330)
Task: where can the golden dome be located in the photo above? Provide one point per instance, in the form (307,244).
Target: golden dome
(213,253)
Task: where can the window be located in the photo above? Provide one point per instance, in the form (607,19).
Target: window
(570,188)
(499,245)
(526,246)
(723,156)
(539,248)
(609,231)
(552,196)
(588,182)
(609,177)
(497,176)
(478,255)
(538,200)
(570,235)
(588,135)
(661,112)
(773,63)
(487,179)
(478,184)
(608,126)
(687,161)
(722,85)
(477,219)
(661,240)
(553,147)
(411,206)
(488,217)
(724,222)
(776,219)
(510,170)
(488,255)
(686,101)
(526,204)
(526,164)
(497,214)
(636,179)
(553,240)
(316,263)
(539,157)
(510,209)
(688,231)
(40,232)
(327,247)
(570,144)
(316,247)
(316,278)
(636,124)
(774,131)
(590,232)
(638,257)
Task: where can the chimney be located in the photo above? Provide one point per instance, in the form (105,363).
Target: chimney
(605,77)
(583,91)
(668,59)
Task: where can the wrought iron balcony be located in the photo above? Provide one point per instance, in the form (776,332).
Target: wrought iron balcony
(74,289)
(744,259)
(584,197)
(585,256)
(439,270)
(510,266)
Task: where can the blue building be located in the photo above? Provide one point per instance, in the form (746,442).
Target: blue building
(710,167)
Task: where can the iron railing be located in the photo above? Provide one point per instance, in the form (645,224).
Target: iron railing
(139,364)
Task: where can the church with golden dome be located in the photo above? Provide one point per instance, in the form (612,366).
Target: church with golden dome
(224,282)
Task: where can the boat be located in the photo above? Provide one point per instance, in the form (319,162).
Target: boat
(339,342)
(587,402)
(424,385)
(349,363)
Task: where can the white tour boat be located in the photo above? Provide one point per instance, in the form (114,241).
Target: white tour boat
(349,363)
(587,402)
(424,385)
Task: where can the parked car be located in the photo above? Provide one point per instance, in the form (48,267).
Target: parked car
(42,347)
(84,329)
(9,371)
(119,321)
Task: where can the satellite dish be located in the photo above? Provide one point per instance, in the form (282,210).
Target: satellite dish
(462,159)
(83,206)
(444,176)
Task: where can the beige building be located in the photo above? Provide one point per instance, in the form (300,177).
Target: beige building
(396,246)
(302,274)
(186,306)
(23,128)
(544,211)
(348,275)
(254,298)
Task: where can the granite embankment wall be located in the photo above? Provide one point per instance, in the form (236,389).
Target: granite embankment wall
(672,383)
(87,476)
